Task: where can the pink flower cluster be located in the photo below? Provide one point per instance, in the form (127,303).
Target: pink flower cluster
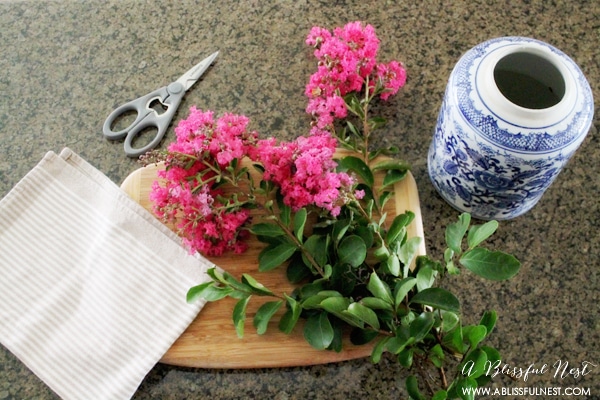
(305,172)
(225,139)
(347,61)
(187,194)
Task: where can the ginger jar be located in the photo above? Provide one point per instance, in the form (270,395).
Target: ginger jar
(515,110)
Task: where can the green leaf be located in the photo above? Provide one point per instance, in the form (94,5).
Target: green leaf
(378,350)
(273,256)
(296,269)
(285,211)
(375,303)
(456,231)
(489,320)
(364,314)
(493,355)
(440,395)
(330,293)
(392,265)
(230,280)
(385,196)
(426,262)
(425,278)
(366,234)
(387,151)
(216,274)
(349,318)
(299,221)
(352,250)
(474,364)
(450,267)
(449,320)
(208,291)
(352,128)
(382,252)
(412,387)
(436,355)
(239,315)
(327,271)
(448,254)
(391,164)
(237,294)
(454,339)
(437,298)
(316,246)
(493,360)
(478,233)
(354,105)
(358,166)
(359,336)
(396,344)
(376,122)
(335,304)
(311,289)
(409,249)
(474,334)
(405,357)
(399,222)
(314,301)
(493,265)
(264,314)
(290,318)
(339,229)
(393,176)
(266,229)
(256,287)
(318,331)
(420,326)
(379,288)
(402,288)
(338,333)
(195,293)
(465,388)
(338,306)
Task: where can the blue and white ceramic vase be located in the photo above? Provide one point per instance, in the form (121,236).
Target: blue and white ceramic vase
(514,112)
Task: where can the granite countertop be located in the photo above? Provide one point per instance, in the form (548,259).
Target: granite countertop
(64,65)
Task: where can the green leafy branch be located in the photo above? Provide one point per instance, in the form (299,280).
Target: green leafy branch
(413,319)
(363,272)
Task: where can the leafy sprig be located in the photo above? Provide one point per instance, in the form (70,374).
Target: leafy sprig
(402,309)
(355,266)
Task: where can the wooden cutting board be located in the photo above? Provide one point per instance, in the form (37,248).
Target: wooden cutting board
(211,341)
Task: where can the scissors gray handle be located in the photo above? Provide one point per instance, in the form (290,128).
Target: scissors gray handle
(146,118)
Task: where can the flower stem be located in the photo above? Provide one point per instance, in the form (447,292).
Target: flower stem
(365,122)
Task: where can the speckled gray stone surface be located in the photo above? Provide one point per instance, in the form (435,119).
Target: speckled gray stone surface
(64,65)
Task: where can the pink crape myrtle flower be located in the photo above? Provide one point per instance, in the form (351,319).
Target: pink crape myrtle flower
(346,61)
(328,109)
(185,194)
(225,139)
(305,171)
(392,77)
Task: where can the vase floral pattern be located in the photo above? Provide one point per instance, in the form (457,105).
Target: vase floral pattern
(484,163)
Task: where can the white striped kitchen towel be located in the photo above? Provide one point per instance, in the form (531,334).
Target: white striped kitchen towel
(92,286)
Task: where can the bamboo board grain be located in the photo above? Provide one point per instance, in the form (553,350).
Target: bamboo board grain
(211,341)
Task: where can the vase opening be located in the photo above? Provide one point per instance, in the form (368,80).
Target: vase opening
(529,80)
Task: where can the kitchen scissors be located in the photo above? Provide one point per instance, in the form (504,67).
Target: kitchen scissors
(168,97)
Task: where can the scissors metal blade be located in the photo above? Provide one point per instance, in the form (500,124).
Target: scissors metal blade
(192,76)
